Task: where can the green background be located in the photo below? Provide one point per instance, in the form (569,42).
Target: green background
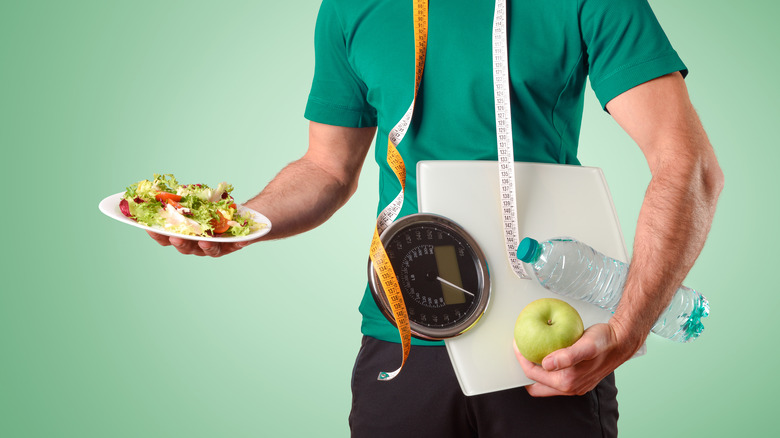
(105,334)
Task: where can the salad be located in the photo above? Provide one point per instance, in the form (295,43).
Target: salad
(191,209)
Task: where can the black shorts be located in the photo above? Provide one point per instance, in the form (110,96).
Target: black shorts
(425,400)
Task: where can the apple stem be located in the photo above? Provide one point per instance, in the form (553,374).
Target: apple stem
(549,322)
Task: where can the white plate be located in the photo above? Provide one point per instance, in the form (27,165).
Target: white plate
(110,207)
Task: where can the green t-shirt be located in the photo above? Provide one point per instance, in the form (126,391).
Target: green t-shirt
(364,76)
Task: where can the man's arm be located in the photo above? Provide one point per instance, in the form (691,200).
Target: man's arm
(673,224)
(305,193)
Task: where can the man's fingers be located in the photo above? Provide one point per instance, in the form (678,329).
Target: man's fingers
(587,347)
(544,381)
(539,390)
(159,238)
(199,247)
(210,248)
(531,370)
(186,246)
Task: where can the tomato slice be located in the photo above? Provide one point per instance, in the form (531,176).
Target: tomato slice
(220,225)
(165,196)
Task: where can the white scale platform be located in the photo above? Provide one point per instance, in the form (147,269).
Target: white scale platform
(552,201)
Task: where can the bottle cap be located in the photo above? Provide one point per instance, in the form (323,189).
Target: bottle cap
(528,250)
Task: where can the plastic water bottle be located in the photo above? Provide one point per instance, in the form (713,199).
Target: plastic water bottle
(573,269)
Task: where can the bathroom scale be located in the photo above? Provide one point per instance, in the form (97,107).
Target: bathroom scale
(553,200)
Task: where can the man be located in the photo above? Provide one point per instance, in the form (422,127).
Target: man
(363,85)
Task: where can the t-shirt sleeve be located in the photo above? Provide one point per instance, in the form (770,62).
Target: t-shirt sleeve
(626,46)
(338,95)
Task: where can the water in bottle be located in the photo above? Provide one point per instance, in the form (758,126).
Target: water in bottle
(573,269)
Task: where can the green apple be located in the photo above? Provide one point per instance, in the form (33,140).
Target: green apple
(546,325)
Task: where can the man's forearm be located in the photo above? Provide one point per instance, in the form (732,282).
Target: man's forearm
(301,197)
(673,224)
(679,204)
(308,191)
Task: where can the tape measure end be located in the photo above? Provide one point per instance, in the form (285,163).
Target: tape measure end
(386,377)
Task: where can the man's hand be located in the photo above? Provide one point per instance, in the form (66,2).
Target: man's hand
(578,369)
(198,248)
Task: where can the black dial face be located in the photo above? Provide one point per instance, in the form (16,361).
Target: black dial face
(439,275)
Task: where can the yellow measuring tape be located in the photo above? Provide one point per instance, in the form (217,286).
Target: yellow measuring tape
(378,254)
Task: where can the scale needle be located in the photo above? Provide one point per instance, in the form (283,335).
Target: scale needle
(456,287)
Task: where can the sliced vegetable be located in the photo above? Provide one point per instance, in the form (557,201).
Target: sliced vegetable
(165,196)
(221,224)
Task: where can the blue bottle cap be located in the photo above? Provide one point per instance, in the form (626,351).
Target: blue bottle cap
(528,250)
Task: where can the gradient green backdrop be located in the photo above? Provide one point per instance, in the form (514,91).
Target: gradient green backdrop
(105,334)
